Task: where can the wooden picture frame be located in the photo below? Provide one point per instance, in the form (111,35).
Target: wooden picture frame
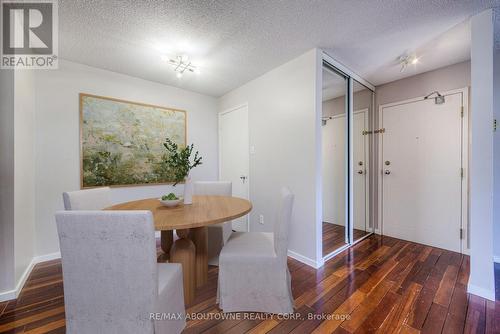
(110,141)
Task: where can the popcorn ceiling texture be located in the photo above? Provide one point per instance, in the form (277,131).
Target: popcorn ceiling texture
(241,40)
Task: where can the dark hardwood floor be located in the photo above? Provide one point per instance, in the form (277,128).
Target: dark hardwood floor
(380,285)
(334,237)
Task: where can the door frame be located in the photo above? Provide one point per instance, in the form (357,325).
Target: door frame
(464,221)
(227,111)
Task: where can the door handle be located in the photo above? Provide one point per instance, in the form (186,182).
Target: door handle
(387,172)
(360,171)
(243,178)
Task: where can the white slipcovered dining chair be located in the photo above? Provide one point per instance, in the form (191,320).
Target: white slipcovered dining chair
(253,270)
(87,199)
(112,282)
(218,234)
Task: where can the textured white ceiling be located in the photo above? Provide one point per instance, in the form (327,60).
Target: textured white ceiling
(236,41)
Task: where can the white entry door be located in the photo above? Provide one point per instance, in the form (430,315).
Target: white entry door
(421,170)
(234,155)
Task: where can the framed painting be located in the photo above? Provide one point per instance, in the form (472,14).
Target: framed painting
(121,142)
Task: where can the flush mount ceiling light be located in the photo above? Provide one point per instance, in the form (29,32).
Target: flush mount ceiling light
(181,64)
(405,60)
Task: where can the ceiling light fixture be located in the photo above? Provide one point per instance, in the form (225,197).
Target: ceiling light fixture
(181,64)
(405,60)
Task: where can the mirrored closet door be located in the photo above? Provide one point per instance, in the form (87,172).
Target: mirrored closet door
(334,151)
(346,128)
(362,102)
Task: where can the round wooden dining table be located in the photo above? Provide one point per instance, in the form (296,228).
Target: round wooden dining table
(190,224)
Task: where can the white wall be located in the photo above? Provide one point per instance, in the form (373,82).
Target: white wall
(57,135)
(284,111)
(481,280)
(7,281)
(16,180)
(443,79)
(496,157)
(24,171)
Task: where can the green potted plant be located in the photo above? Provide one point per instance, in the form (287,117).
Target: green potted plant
(179,162)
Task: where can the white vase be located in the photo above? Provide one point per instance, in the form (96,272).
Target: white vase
(188,190)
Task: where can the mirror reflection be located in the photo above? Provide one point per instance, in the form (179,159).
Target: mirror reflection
(334,141)
(362,117)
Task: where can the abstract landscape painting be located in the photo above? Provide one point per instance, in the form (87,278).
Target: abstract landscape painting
(122,141)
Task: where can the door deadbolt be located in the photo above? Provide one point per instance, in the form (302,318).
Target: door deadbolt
(360,163)
(387,162)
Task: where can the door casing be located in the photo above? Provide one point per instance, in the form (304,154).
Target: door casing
(244,105)
(465,163)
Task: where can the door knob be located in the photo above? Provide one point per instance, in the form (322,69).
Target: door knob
(360,171)
(387,172)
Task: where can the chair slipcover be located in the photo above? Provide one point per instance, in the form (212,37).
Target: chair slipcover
(112,283)
(88,199)
(253,271)
(217,234)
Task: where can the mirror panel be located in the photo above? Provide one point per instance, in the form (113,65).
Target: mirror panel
(362,118)
(334,154)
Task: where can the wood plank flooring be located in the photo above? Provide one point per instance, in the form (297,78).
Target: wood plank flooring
(334,237)
(382,285)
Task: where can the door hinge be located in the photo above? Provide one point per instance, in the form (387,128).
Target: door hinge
(462,111)
(462,173)
(366,132)
(494,125)
(379,130)
(461,233)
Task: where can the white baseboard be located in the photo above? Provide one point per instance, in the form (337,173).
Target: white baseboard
(304,259)
(47,257)
(7,295)
(496,259)
(13,294)
(481,292)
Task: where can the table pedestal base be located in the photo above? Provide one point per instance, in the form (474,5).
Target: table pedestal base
(167,239)
(199,236)
(183,252)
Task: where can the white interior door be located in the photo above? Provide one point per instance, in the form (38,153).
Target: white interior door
(234,156)
(421,171)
